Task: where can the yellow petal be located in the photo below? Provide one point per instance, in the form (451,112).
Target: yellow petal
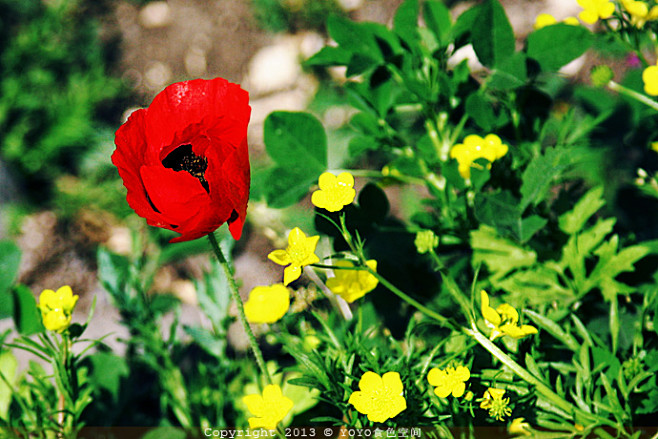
(462,373)
(267,304)
(393,383)
(345,179)
(370,382)
(443,391)
(436,376)
(291,273)
(327,181)
(544,20)
(254,403)
(280,257)
(589,16)
(296,238)
(489,314)
(458,389)
(508,313)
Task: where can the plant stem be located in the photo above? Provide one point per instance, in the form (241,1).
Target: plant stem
(612,85)
(413,302)
(233,288)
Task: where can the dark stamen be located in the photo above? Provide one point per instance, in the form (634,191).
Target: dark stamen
(183,159)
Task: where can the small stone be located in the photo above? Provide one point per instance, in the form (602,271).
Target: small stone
(157,75)
(274,68)
(155,15)
(195,62)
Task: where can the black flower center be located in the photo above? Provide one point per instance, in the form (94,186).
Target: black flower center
(183,159)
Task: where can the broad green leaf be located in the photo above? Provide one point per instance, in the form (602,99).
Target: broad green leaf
(539,175)
(500,255)
(107,371)
(285,186)
(461,31)
(113,271)
(298,144)
(405,21)
(329,56)
(573,221)
(501,210)
(296,139)
(492,35)
(213,291)
(557,45)
(10,259)
(481,111)
(209,342)
(26,313)
(438,20)
(353,37)
(510,73)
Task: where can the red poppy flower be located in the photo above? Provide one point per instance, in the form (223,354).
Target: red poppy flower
(185,160)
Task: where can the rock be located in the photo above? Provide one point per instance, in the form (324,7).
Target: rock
(157,76)
(274,68)
(155,15)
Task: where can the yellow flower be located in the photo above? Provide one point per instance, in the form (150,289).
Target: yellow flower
(352,284)
(269,409)
(379,397)
(503,320)
(518,426)
(475,147)
(57,307)
(451,380)
(497,405)
(595,9)
(544,20)
(650,78)
(300,252)
(267,304)
(335,192)
(639,12)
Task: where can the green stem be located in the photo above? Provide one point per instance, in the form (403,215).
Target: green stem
(522,373)
(612,85)
(233,288)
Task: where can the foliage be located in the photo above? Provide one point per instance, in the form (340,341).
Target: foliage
(55,90)
(497,271)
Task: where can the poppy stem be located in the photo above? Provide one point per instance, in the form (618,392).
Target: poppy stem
(233,288)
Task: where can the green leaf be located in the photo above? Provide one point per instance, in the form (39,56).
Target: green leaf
(510,73)
(209,342)
(538,286)
(539,175)
(492,35)
(296,139)
(438,20)
(481,111)
(298,144)
(8,368)
(555,46)
(329,56)
(500,255)
(464,26)
(554,329)
(353,37)
(573,221)
(287,185)
(501,210)
(113,271)
(26,313)
(405,21)
(107,371)
(10,259)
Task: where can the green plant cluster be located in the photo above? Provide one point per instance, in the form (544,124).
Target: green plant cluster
(500,205)
(56,93)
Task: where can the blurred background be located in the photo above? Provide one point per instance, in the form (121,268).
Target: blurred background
(71,71)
